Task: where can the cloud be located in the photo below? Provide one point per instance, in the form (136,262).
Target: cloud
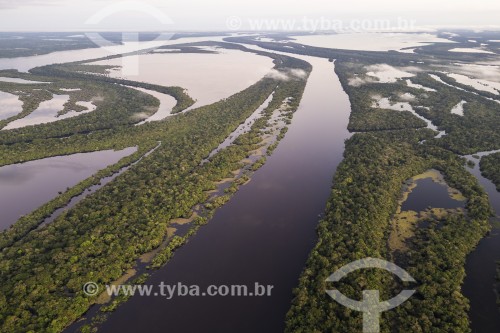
(298,73)
(478,71)
(388,74)
(358,81)
(383,73)
(287,75)
(406,97)
(139,116)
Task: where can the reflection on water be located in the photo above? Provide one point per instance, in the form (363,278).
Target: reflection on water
(91,190)
(370,41)
(208,78)
(409,83)
(24,64)
(243,128)
(10,105)
(479,84)
(263,234)
(487,184)
(484,70)
(481,267)
(25,187)
(470,50)
(429,193)
(459,108)
(47,112)
(20,81)
(438,79)
(167,103)
(385,103)
(387,74)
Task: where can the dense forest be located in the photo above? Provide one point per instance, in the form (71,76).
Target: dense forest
(25,44)
(43,269)
(364,198)
(392,146)
(490,168)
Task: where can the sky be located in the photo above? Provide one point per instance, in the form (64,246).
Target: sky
(217,15)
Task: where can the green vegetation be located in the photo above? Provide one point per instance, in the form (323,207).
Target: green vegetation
(357,223)
(24,44)
(230,158)
(42,271)
(28,222)
(490,168)
(360,214)
(259,164)
(21,44)
(366,117)
(116,106)
(476,131)
(80,71)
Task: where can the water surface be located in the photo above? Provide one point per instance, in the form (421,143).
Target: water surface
(24,64)
(242,129)
(208,78)
(25,187)
(47,112)
(20,81)
(430,194)
(478,84)
(370,41)
(10,105)
(264,234)
(481,267)
(470,50)
(167,103)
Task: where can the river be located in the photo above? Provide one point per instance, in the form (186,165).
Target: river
(207,77)
(264,234)
(24,64)
(26,186)
(481,267)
